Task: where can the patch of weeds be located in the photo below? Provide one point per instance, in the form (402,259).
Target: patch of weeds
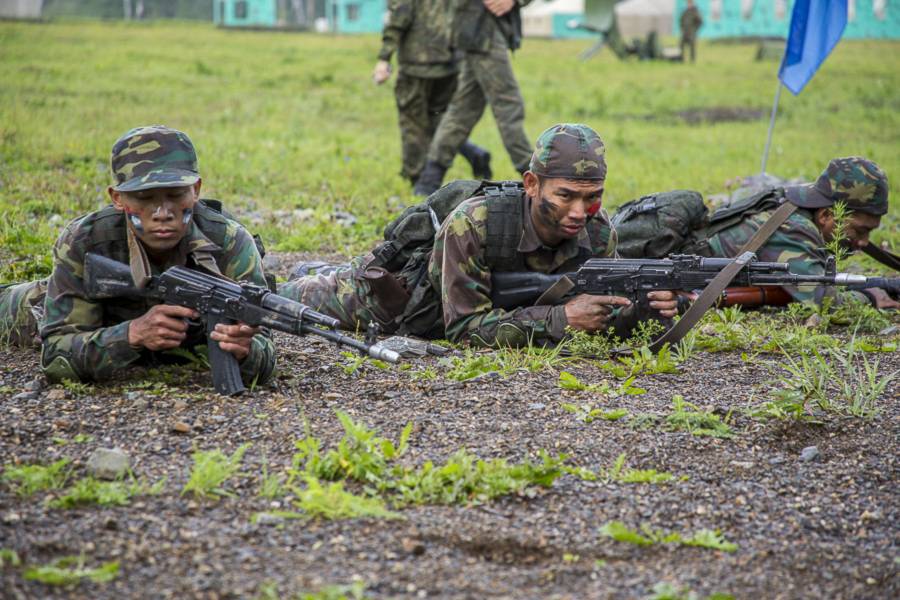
(9,557)
(473,364)
(619,474)
(586,413)
(211,470)
(71,570)
(533,359)
(567,381)
(197,358)
(849,383)
(77,388)
(353,591)
(332,501)
(80,438)
(104,493)
(785,405)
(646,536)
(272,484)
(687,347)
(467,479)
(643,362)
(426,374)
(688,417)
(29,479)
(723,330)
(668,591)
(354,362)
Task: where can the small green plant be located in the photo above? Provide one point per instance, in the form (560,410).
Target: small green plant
(622,475)
(271,485)
(9,557)
(785,405)
(71,570)
(668,591)
(643,362)
(332,501)
(77,388)
(353,591)
(567,381)
(472,365)
(686,348)
(211,470)
(426,374)
(704,538)
(29,479)
(104,493)
(354,362)
(80,438)
(688,417)
(586,413)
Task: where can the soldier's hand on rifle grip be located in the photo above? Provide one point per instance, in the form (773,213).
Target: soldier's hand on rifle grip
(665,301)
(162,327)
(236,339)
(592,313)
(499,7)
(881,298)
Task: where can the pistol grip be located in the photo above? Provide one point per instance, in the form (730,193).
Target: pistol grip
(226,372)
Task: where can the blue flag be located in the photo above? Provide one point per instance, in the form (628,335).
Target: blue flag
(816,28)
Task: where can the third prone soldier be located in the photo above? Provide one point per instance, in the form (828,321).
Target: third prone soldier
(485,31)
(550,223)
(419,32)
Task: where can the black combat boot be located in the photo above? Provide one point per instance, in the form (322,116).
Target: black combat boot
(430,180)
(479,159)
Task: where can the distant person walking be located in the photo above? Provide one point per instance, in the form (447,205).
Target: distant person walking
(690,23)
(485,31)
(418,31)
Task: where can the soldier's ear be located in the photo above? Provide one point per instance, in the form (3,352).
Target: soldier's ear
(116,198)
(196,187)
(532,184)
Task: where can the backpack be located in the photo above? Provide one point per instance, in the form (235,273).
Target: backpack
(409,242)
(657,225)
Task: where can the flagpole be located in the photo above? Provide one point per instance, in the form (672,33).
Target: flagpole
(765,156)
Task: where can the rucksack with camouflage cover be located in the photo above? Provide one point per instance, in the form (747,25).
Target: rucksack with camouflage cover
(409,242)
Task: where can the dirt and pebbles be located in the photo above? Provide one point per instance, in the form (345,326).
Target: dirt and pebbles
(820,528)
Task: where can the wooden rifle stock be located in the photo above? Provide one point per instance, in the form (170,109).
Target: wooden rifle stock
(747,296)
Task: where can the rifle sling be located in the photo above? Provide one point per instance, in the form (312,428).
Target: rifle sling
(711,292)
(885,257)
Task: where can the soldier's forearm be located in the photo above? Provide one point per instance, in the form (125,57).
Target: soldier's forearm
(510,328)
(91,356)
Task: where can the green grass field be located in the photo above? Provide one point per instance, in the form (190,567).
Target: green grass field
(284,121)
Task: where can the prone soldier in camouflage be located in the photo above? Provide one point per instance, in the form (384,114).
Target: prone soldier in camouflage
(485,31)
(690,23)
(551,224)
(155,222)
(857,182)
(418,31)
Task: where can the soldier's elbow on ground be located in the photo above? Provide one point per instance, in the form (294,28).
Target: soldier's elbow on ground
(58,368)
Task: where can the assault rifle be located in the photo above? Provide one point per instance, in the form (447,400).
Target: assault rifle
(633,278)
(220,300)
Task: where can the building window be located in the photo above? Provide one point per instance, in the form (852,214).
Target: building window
(879,7)
(780,9)
(747,9)
(715,10)
(240,9)
(353,12)
(851,10)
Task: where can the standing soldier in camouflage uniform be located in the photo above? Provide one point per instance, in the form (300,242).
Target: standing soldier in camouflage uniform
(690,22)
(857,182)
(485,31)
(550,224)
(419,32)
(155,222)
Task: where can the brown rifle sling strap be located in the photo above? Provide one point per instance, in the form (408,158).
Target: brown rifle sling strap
(711,292)
(888,259)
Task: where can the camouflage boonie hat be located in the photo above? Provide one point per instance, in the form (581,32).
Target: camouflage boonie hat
(153,157)
(570,151)
(856,181)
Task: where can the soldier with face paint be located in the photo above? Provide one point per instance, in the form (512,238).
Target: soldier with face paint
(155,221)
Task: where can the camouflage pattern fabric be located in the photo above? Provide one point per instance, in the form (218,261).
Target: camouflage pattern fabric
(88,340)
(457,268)
(690,22)
(421,103)
(856,181)
(570,151)
(797,242)
(153,157)
(21,308)
(418,31)
(485,78)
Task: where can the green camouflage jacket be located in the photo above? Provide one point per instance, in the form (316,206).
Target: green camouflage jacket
(457,268)
(419,32)
(797,242)
(88,340)
(690,22)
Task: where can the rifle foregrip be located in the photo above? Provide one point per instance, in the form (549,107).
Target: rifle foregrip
(226,372)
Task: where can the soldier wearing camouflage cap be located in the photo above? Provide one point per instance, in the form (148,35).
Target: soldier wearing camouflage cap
(155,221)
(856,182)
(550,223)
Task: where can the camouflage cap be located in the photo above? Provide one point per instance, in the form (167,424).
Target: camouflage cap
(571,151)
(154,156)
(856,181)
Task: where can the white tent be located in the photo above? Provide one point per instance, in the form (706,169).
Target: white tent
(635,17)
(21,9)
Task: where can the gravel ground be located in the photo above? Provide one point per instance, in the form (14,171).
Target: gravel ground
(822,528)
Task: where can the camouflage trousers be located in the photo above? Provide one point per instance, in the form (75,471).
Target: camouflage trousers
(691,43)
(21,311)
(485,78)
(343,294)
(421,102)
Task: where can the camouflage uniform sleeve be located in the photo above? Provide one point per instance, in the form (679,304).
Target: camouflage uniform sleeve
(75,344)
(241,262)
(400,16)
(465,284)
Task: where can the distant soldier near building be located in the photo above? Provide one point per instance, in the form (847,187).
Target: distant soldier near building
(690,22)
(418,31)
(485,31)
